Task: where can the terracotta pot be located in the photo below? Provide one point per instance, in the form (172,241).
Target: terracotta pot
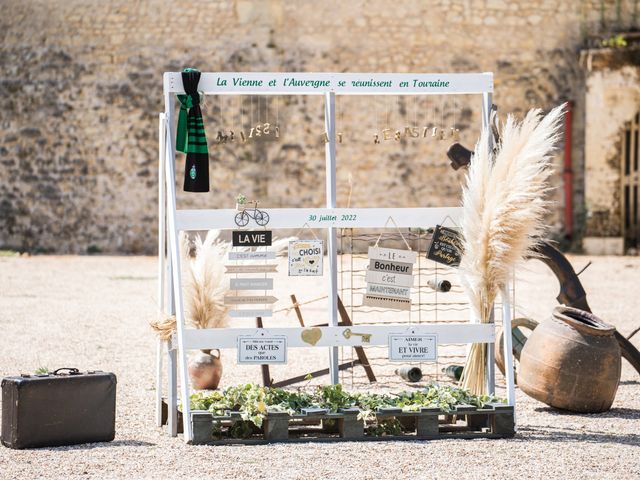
(518,339)
(572,362)
(205,370)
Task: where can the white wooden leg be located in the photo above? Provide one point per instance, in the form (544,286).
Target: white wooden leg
(508,350)
(172,394)
(174,248)
(491,362)
(159,353)
(330,160)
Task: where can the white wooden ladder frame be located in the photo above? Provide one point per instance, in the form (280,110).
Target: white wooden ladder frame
(172,221)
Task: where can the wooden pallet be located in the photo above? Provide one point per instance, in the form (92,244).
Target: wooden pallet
(317,425)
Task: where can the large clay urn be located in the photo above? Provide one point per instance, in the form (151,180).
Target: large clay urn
(205,370)
(571,362)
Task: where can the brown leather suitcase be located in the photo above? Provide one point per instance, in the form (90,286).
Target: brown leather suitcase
(63,408)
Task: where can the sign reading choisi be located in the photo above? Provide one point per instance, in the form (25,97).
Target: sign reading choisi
(389,278)
(305,257)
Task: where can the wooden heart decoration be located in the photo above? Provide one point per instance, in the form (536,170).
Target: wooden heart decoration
(311,335)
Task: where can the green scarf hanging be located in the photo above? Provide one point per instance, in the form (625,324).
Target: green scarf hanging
(190,136)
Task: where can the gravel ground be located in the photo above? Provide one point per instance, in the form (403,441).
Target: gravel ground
(93,313)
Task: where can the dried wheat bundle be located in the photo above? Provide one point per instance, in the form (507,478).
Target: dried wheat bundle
(504,204)
(164,327)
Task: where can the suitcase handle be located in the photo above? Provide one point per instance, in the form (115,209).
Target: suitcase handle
(72,371)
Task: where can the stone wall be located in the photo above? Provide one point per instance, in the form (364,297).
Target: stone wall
(80,90)
(612,101)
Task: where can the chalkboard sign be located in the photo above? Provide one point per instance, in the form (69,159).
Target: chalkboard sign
(251,238)
(446,246)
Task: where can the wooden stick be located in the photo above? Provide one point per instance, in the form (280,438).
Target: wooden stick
(266,375)
(296,307)
(362,357)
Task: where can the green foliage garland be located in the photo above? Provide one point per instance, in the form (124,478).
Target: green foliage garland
(254,402)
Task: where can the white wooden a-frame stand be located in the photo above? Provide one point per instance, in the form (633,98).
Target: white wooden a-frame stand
(173,220)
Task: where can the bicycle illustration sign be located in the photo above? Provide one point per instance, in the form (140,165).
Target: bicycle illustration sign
(246,212)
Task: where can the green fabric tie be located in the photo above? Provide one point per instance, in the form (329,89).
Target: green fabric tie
(190,136)
(181,135)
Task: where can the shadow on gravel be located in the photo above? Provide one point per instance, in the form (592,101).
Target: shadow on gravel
(91,446)
(623,413)
(548,434)
(629,382)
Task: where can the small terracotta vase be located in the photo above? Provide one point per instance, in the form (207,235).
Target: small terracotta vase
(205,370)
(571,361)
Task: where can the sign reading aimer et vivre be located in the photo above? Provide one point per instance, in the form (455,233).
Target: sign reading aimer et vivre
(389,278)
(262,350)
(413,348)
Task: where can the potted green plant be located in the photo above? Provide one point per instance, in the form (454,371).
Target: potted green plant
(241,201)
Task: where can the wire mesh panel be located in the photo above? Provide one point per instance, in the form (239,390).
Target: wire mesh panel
(429,304)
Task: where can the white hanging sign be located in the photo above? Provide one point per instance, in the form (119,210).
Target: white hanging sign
(413,348)
(391,267)
(250,268)
(389,278)
(388,291)
(392,254)
(384,278)
(270,255)
(250,313)
(306,257)
(251,284)
(387,302)
(262,350)
(249,300)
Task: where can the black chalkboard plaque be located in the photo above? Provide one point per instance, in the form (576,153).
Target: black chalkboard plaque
(446,246)
(251,238)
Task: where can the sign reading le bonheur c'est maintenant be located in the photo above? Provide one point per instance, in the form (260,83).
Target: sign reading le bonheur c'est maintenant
(389,278)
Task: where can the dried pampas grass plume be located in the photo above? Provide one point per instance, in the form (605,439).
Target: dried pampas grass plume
(204,284)
(504,205)
(204,281)
(164,327)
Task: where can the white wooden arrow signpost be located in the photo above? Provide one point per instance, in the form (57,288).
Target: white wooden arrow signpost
(388,276)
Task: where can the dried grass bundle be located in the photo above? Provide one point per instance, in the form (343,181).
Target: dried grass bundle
(504,203)
(164,327)
(204,284)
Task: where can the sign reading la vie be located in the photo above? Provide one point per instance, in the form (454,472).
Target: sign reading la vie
(251,238)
